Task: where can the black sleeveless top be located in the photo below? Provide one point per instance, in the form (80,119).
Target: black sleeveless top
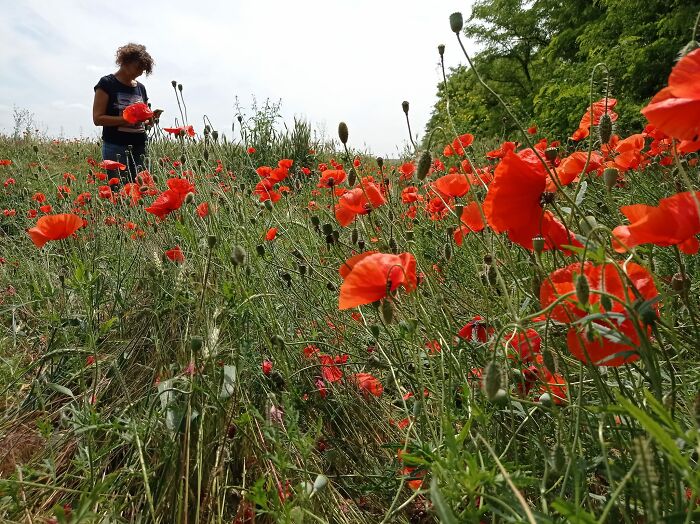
(121,96)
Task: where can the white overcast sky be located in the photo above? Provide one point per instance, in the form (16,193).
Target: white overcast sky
(326,60)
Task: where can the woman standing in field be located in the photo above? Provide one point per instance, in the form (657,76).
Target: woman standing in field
(123,141)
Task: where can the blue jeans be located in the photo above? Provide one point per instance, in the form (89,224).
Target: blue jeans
(134,160)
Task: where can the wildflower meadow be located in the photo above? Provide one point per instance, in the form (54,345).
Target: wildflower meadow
(282,328)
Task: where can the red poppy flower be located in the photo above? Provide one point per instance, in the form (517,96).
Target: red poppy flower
(368,384)
(571,167)
(532,130)
(251,150)
(599,109)
(182,130)
(203,209)
(612,339)
(336,175)
(675,110)
(329,367)
(54,227)
(452,185)
(136,113)
(375,275)
(514,204)
(410,194)
(267,367)
(526,345)
(5,162)
(629,152)
(471,222)
(504,148)
(175,254)
(271,234)
(358,201)
(458,145)
(407,169)
(476,330)
(675,221)
(265,191)
(168,201)
(111,165)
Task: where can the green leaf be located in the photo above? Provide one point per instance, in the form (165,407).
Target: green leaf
(444,511)
(61,389)
(573,514)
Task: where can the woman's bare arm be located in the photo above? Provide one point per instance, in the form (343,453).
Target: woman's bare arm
(99,108)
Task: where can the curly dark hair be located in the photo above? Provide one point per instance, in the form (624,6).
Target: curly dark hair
(130,53)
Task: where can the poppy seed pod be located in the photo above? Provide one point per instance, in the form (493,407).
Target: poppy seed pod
(538,244)
(551,153)
(315,221)
(215,135)
(492,380)
(211,241)
(424,162)
(327,229)
(386,310)
(456,22)
(260,250)
(393,245)
(380,162)
(610,175)
(277,340)
(441,49)
(680,283)
(583,290)
(404,106)
(179,87)
(447,251)
(410,235)
(352,176)
(189,198)
(605,128)
(238,255)
(343,132)
(173,83)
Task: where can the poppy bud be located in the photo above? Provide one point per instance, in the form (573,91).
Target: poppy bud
(587,224)
(606,302)
(647,314)
(343,132)
(196,344)
(393,245)
(374,329)
(173,83)
(409,235)
(238,255)
(551,153)
(548,359)
(424,162)
(583,290)
(207,130)
(211,241)
(297,184)
(488,260)
(302,269)
(179,87)
(35,148)
(500,398)
(610,175)
(352,176)
(354,236)
(277,340)
(492,380)
(380,162)
(315,221)
(456,22)
(404,106)
(330,239)
(330,286)
(459,208)
(538,244)
(240,119)
(375,360)
(286,277)
(253,220)
(205,154)
(605,128)
(260,250)
(447,251)
(268,205)
(215,135)
(558,458)
(361,244)
(441,49)
(327,229)
(546,400)
(183,159)
(386,310)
